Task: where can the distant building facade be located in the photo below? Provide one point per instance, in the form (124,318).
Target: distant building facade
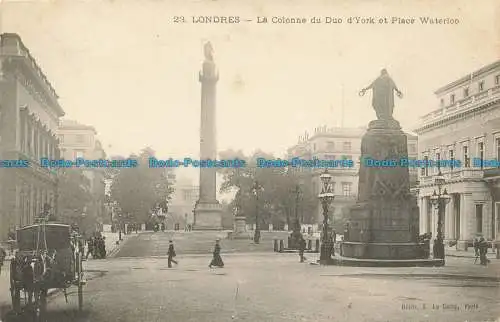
(79,141)
(183,202)
(338,143)
(465,127)
(29,116)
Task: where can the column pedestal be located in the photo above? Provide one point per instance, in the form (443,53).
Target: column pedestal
(208,216)
(384,222)
(240,228)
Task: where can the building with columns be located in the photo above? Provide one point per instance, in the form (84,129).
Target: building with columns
(336,143)
(79,141)
(29,117)
(464,127)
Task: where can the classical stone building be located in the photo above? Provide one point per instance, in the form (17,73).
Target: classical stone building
(338,143)
(29,117)
(465,127)
(183,202)
(79,141)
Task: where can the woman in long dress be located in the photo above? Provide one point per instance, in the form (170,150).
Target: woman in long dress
(217,259)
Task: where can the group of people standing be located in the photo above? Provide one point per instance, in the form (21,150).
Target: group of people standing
(216,259)
(96,246)
(481,250)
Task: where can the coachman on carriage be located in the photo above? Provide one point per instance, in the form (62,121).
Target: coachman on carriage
(48,257)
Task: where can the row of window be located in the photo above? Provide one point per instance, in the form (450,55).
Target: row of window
(330,146)
(347,147)
(35,140)
(481,154)
(79,138)
(75,155)
(466,91)
(346,188)
(334,157)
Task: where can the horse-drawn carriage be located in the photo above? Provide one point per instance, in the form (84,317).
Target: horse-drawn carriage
(48,257)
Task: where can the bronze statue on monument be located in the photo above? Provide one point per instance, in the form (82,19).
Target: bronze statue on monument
(383,95)
(384,221)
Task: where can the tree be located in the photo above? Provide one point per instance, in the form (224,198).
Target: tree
(74,195)
(277,199)
(141,189)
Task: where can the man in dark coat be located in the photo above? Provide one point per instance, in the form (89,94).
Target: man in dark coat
(217,259)
(483,250)
(302,247)
(102,248)
(3,254)
(97,247)
(171,254)
(90,247)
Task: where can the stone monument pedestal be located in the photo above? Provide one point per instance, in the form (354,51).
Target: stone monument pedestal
(240,228)
(208,216)
(383,226)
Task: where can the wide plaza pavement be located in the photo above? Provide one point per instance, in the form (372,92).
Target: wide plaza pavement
(266,286)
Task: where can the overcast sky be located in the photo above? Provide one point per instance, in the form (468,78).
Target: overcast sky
(127,69)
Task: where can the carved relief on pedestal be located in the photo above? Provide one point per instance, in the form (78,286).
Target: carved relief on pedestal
(389,188)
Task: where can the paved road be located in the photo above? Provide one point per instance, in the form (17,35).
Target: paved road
(275,287)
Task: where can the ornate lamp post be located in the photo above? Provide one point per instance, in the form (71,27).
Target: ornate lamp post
(326,197)
(256,190)
(439,200)
(83,225)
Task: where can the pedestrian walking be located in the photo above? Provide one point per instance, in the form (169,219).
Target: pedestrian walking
(12,240)
(331,244)
(217,259)
(3,254)
(475,245)
(90,248)
(171,254)
(302,248)
(483,250)
(102,247)
(81,246)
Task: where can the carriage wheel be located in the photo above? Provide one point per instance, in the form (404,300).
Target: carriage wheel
(79,280)
(15,292)
(40,309)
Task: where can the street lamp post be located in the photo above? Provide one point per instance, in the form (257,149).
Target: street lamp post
(83,225)
(119,227)
(256,189)
(326,197)
(439,200)
(297,197)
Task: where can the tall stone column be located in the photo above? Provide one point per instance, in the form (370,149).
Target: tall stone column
(450,220)
(466,220)
(434,220)
(208,211)
(423,215)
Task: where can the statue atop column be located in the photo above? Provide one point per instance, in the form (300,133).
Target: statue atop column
(209,70)
(209,51)
(383,95)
